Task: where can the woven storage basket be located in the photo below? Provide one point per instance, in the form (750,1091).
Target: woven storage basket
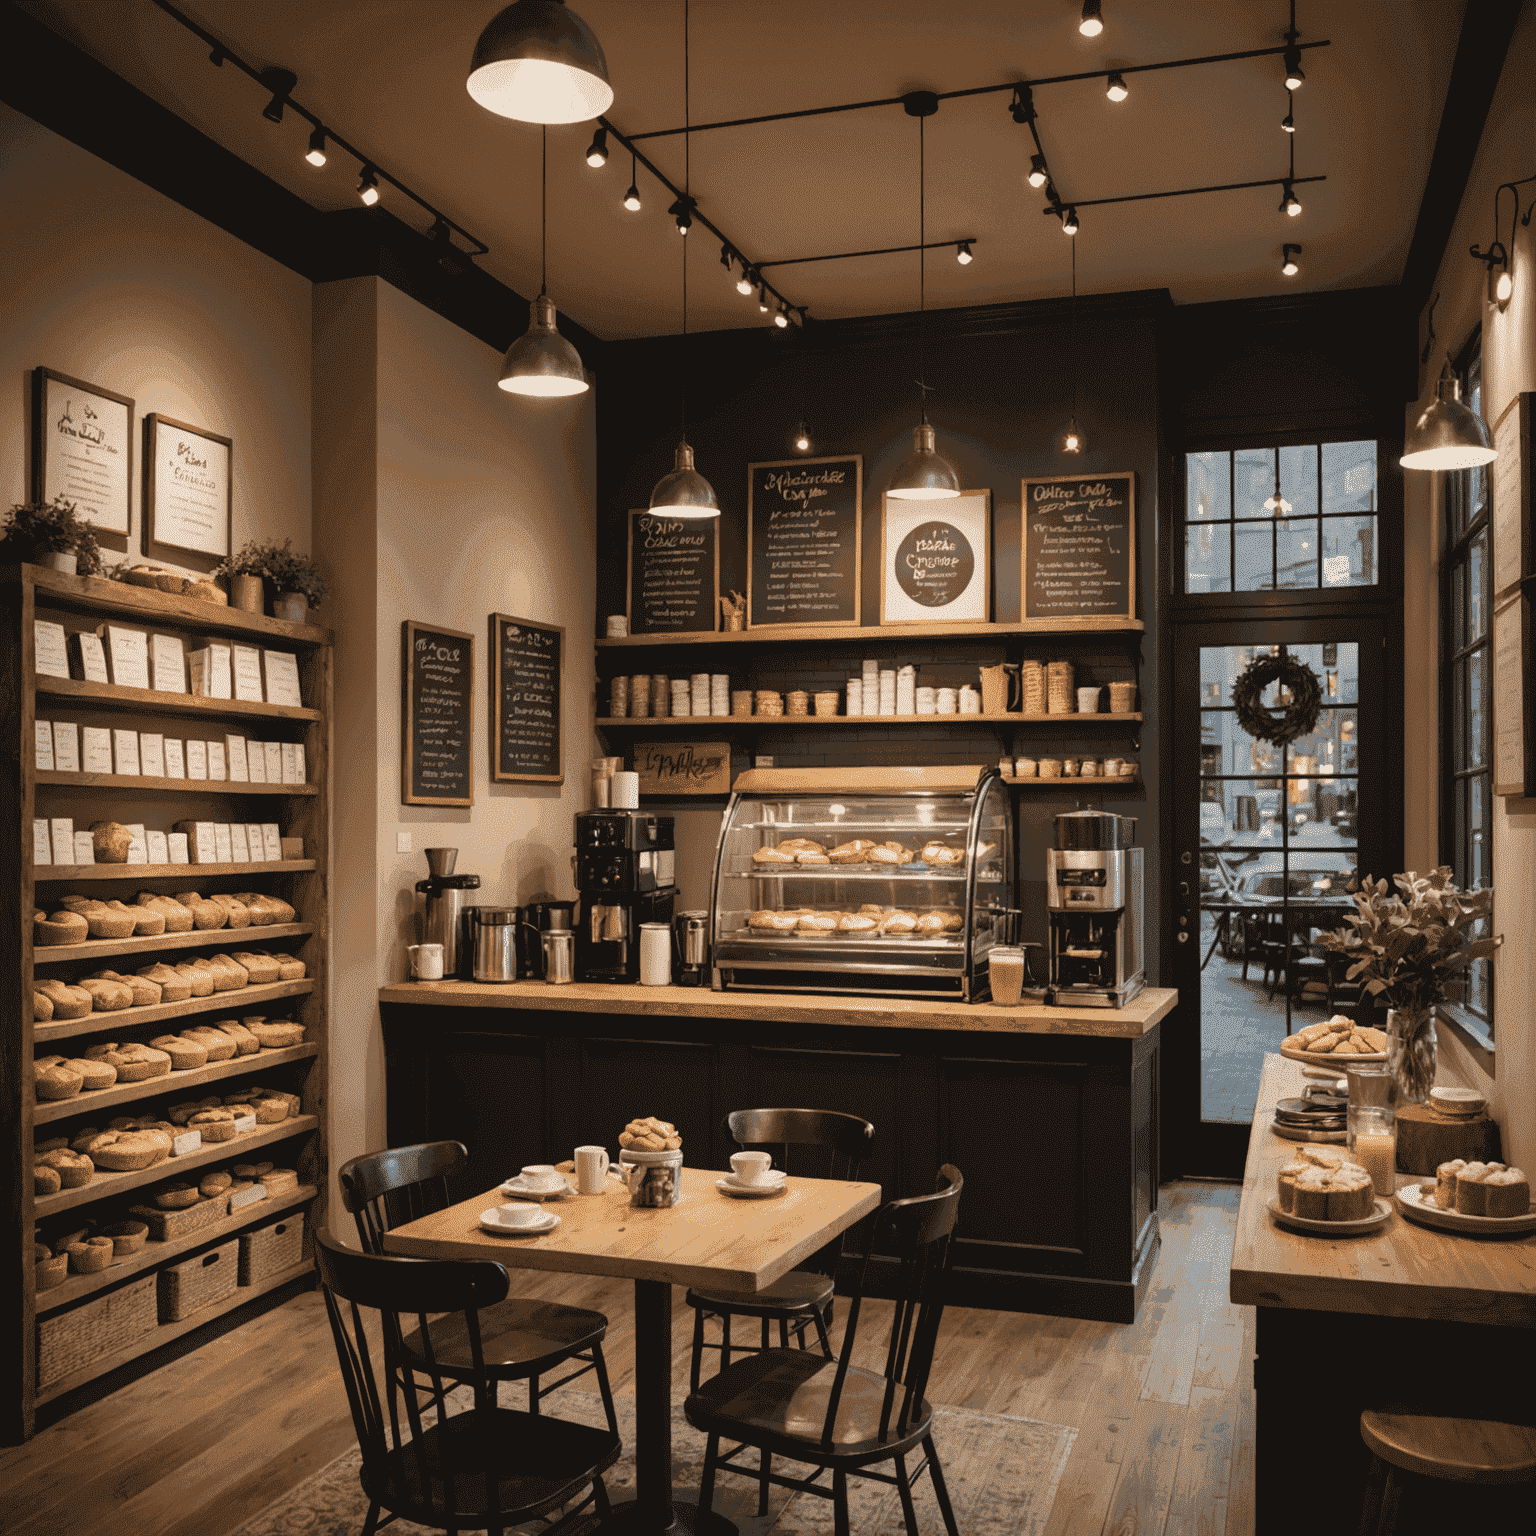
(1122,698)
(199,1282)
(1032,680)
(164,1225)
(661,695)
(640,695)
(271,1249)
(70,1341)
(1061,685)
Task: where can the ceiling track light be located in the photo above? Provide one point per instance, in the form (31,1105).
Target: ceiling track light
(316,152)
(727,257)
(781,316)
(682,211)
(1497,258)
(597,150)
(1022,106)
(539,62)
(1115,87)
(1092,22)
(281,82)
(1295,76)
(632,197)
(1288,263)
(1069,224)
(744,282)
(368,186)
(762,300)
(1038,175)
(963,253)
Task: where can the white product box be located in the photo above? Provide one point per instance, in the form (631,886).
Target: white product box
(217,767)
(197,759)
(85,848)
(61,829)
(138,847)
(247,667)
(128,652)
(244,1197)
(235,756)
(125,752)
(282,673)
(290,765)
(41,853)
(239,849)
(271,841)
(255,841)
(188,1141)
(168,663)
(274,761)
(200,840)
(152,755)
(97,749)
(176,847)
(256,761)
(300,773)
(90,658)
(175,758)
(159,851)
(42,731)
(212,672)
(223,851)
(66,746)
(50,654)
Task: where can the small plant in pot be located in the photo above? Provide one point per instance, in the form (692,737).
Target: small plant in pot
(51,533)
(297,581)
(246,572)
(1412,948)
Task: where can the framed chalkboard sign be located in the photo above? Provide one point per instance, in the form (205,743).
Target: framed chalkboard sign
(1079,547)
(803,561)
(674,573)
(935,560)
(527,701)
(437,692)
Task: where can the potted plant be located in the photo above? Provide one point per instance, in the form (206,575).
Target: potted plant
(297,582)
(53,534)
(1413,947)
(245,571)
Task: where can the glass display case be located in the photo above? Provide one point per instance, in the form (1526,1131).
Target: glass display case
(862,880)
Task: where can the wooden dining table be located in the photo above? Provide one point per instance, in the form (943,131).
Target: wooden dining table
(708,1239)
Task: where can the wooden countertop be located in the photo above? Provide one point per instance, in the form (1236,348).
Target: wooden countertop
(1403,1270)
(791,1007)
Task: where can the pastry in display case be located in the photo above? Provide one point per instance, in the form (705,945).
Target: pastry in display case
(884,880)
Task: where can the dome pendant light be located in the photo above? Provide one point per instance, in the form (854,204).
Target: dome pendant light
(1449,434)
(541,361)
(539,62)
(925,474)
(685,492)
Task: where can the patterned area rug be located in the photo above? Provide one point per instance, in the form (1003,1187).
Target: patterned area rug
(1001,1474)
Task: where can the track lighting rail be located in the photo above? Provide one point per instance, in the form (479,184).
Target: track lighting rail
(277,81)
(885,250)
(1142,197)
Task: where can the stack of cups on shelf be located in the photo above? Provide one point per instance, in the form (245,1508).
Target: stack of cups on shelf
(871,687)
(640,695)
(887,692)
(1059,682)
(1122,698)
(927,701)
(826,703)
(948,701)
(769,702)
(1025,768)
(719,693)
(855,695)
(682,698)
(970,700)
(741,702)
(698,702)
(1088,700)
(797,703)
(661,695)
(618,698)
(906,690)
(1032,679)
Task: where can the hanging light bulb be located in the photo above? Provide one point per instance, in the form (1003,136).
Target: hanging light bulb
(1295,78)
(1448,435)
(597,150)
(632,198)
(1290,203)
(1288,123)
(1073,439)
(1069,224)
(781,317)
(1276,504)
(539,62)
(682,211)
(316,152)
(802,437)
(744,282)
(1504,288)
(1288,264)
(1092,22)
(762,299)
(1116,88)
(1038,176)
(368,186)
(963,253)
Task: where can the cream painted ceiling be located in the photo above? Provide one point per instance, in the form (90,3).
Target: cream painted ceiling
(389,75)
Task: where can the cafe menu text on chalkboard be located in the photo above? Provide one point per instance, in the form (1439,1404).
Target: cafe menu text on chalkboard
(674,573)
(527,701)
(437,690)
(803,519)
(1079,547)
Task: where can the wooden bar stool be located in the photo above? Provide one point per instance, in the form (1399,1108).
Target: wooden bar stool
(1478,1453)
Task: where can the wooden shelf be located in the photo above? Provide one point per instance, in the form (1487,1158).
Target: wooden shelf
(172,1082)
(148,784)
(214,938)
(238,1001)
(167,1332)
(104,1186)
(773,722)
(52,874)
(153,1253)
(865,634)
(1076,785)
(93,594)
(158,703)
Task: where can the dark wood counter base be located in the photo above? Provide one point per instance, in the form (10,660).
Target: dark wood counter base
(1056,1134)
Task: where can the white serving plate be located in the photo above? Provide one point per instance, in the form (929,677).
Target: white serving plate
(729,1186)
(1373,1223)
(1410,1199)
(515,1189)
(1340,1064)
(489,1223)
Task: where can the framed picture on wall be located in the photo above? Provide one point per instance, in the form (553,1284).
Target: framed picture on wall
(936,560)
(82,450)
(804,538)
(1513,556)
(188,493)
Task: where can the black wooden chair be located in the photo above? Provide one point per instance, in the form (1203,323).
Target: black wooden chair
(828,1145)
(834,1415)
(481,1468)
(521,1339)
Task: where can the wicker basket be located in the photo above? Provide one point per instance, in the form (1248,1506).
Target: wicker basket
(1061,686)
(70,1341)
(1122,698)
(199,1282)
(166,1225)
(271,1249)
(661,695)
(1032,684)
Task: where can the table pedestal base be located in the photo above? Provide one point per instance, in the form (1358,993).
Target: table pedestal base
(633,1520)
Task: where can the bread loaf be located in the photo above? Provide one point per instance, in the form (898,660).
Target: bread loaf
(64,927)
(111,841)
(218,1045)
(270,1111)
(68,1002)
(214,1183)
(45,1179)
(107,996)
(262,969)
(1507,1192)
(42,1008)
(127,1237)
(206,915)
(246,1044)
(52,1080)
(73,1168)
(178,919)
(186,1055)
(239,913)
(174,987)
(90,1256)
(276,909)
(198,975)
(228,975)
(135,1063)
(176,1197)
(276,1034)
(147,922)
(128,1151)
(144,992)
(96,1074)
(214,1124)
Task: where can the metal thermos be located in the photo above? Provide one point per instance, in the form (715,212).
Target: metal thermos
(690,947)
(495,943)
(444,917)
(559,946)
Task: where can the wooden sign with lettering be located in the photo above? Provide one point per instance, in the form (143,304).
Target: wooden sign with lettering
(437,688)
(1079,547)
(669,768)
(527,701)
(674,573)
(803,559)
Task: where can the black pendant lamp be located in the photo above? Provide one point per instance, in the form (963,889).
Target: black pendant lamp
(541,361)
(539,62)
(685,492)
(925,474)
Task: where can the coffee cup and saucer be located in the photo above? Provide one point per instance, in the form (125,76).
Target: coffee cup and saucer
(538,1181)
(752,1177)
(518,1218)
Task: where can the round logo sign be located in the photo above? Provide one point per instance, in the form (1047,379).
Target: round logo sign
(934,564)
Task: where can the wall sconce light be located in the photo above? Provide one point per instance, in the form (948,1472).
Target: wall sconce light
(1497,258)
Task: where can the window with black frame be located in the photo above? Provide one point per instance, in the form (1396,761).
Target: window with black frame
(1466,619)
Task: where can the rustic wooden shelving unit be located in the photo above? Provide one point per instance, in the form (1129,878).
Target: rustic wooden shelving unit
(83,603)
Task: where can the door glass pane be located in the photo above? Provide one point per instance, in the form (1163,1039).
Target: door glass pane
(1298,480)
(1296,553)
(1208,557)
(1349,551)
(1255,557)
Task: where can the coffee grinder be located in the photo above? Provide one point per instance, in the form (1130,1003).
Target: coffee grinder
(445,918)
(624,871)
(1093,898)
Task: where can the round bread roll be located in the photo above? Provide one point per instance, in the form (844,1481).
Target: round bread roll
(214,1183)
(107,996)
(128,1151)
(64,927)
(186,1055)
(52,1080)
(73,1168)
(42,1007)
(144,992)
(276,1034)
(45,1180)
(68,1002)
(176,1197)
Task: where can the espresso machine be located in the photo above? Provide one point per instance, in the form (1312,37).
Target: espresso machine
(445,919)
(624,872)
(1093,898)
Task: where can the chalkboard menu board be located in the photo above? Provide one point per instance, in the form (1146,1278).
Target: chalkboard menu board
(527,697)
(1079,547)
(674,573)
(437,689)
(803,520)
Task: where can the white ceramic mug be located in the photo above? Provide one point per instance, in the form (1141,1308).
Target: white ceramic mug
(519,1213)
(426,961)
(591,1170)
(542,1177)
(655,954)
(624,794)
(751,1167)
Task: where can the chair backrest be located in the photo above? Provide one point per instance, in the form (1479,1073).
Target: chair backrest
(917,1232)
(385,1189)
(355,1283)
(830,1144)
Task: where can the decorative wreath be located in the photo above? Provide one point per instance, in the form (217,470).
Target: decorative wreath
(1281,726)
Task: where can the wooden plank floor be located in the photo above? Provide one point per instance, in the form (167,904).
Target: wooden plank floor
(1163,1409)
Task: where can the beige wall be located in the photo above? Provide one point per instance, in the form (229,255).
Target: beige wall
(1509,368)
(105,279)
